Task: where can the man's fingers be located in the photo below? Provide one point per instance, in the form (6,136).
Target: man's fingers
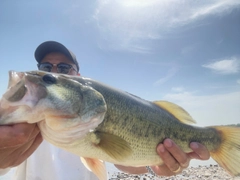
(15,156)
(199,151)
(176,153)
(175,160)
(28,150)
(17,134)
(17,143)
(25,131)
(167,158)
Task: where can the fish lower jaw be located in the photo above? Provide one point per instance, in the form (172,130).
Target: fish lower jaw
(60,137)
(67,135)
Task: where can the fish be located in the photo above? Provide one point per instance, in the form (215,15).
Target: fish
(100,123)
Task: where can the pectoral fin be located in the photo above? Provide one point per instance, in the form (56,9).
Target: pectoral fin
(116,147)
(176,111)
(96,166)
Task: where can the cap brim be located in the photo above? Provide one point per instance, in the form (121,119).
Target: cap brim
(48,47)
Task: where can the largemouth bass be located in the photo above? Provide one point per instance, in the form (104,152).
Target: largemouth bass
(100,123)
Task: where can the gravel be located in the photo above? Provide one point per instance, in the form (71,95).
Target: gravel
(212,172)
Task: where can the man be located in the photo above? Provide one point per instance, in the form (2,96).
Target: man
(19,141)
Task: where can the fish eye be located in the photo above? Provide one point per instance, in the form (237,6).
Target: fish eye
(49,79)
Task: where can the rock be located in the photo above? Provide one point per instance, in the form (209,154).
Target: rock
(207,173)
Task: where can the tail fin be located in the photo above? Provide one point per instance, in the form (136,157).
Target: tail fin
(228,154)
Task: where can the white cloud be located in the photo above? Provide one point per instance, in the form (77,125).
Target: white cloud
(238,81)
(171,72)
(214,7)
(226,66)
(177,89)
(122,23)
(208,110)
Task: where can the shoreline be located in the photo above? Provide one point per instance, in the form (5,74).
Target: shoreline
(211,172)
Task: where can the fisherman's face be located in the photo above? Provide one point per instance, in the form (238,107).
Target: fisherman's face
(57,58)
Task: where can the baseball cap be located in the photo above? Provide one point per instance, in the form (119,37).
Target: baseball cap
(53,46)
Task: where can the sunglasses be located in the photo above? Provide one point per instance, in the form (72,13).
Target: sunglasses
(62,68)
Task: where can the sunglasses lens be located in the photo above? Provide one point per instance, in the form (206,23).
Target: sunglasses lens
(45,67)
(63,68)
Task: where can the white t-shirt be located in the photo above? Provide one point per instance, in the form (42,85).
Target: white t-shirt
(51,163)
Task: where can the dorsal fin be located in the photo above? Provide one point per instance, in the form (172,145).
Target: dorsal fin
(176,111)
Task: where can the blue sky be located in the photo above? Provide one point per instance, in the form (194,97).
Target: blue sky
(187,52)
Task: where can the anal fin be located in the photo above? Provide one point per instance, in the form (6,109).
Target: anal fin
(96,166)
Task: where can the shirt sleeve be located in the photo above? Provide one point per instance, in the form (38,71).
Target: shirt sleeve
(4,171)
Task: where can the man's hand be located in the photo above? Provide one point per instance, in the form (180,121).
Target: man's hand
(175,160)
(17,143)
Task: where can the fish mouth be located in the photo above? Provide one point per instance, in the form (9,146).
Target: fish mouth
(14,78)
(23,94)
(16,87)
(16,92)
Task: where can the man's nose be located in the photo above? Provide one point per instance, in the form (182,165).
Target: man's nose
(54,69)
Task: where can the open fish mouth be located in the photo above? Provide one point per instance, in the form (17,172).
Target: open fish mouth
(16,92)
(16,87)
